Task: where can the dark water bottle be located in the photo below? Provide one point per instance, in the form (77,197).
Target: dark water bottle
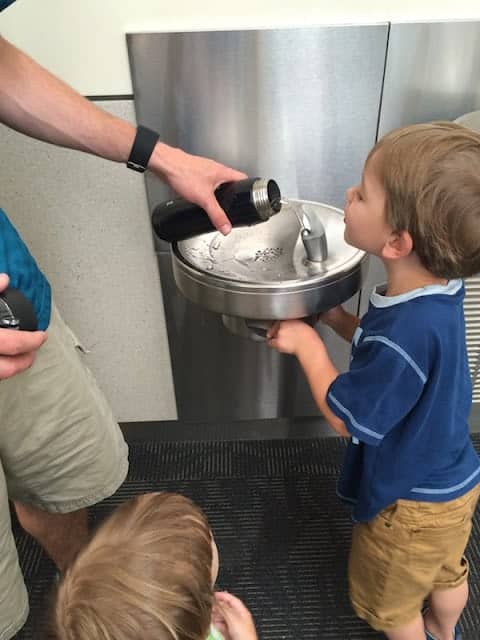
(245,202)
(16,311)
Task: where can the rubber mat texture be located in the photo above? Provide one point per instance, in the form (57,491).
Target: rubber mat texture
(282,533)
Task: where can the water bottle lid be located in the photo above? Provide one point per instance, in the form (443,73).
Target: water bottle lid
(266,197)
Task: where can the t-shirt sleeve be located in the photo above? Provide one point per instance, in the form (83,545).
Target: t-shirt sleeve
(383,385)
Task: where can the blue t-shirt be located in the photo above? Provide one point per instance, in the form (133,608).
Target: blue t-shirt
(17,262)
(406,401)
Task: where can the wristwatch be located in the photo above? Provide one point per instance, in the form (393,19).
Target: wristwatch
(142,148)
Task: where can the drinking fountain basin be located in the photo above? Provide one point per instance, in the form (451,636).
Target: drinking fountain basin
(295,265)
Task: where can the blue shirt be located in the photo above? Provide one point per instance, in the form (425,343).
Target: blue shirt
(18,263)
(406,401)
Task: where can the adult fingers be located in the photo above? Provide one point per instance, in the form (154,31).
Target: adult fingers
(217,215)
(12,365)
(14,343)
(231,175)
(17,350)
(214,211)
(4,280)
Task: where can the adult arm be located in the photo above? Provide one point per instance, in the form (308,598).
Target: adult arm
(40,105)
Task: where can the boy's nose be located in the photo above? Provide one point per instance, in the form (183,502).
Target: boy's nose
(349,194)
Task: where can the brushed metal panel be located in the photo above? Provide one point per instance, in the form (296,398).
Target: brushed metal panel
(221,376)
(298,105)
(432,73)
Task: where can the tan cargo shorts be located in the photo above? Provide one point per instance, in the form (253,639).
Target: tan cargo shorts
(60,450)
(409,550)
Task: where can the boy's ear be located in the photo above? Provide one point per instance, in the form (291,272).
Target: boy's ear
(398,245)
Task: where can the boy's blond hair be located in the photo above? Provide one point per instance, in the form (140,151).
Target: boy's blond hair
(145,575)
(431,176)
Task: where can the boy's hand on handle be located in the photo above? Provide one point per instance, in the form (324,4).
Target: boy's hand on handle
(195,178)
(287,336)
(17,348)
(232,618)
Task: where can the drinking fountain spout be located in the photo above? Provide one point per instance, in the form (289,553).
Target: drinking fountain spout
(313,237)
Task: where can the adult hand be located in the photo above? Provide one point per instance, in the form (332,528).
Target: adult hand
(195,179)
(17,348)
(54,112)
(232,618)
(287,336)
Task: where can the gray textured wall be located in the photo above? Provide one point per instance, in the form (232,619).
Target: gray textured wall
(86,221)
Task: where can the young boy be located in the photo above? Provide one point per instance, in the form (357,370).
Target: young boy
(148,574)
(410,468)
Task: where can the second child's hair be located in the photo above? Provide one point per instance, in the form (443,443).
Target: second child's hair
(145,575)
(431,176)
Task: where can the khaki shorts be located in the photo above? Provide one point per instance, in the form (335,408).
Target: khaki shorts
(60,450)
(406,552)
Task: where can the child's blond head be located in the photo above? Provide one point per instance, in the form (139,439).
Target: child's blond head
(145,575)
(431,176)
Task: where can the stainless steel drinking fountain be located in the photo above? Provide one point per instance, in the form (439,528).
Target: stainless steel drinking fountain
(295,265)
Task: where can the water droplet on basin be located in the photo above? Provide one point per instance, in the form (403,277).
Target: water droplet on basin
(216,242)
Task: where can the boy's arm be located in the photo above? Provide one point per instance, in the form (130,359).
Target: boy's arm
(40,105)
(320,372)
(342,322)
(298,338)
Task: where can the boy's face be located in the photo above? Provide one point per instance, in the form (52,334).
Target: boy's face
(365,224)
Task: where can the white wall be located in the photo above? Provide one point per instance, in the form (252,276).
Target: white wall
(84,42)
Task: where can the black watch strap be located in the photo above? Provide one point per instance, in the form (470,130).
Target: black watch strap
(142,148)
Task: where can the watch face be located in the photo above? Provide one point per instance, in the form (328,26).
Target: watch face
(5,3)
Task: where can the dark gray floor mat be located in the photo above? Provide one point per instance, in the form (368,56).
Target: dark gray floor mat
(282,534)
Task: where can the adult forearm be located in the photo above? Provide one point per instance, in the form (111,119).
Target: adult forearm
(38,104)
(321,372)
